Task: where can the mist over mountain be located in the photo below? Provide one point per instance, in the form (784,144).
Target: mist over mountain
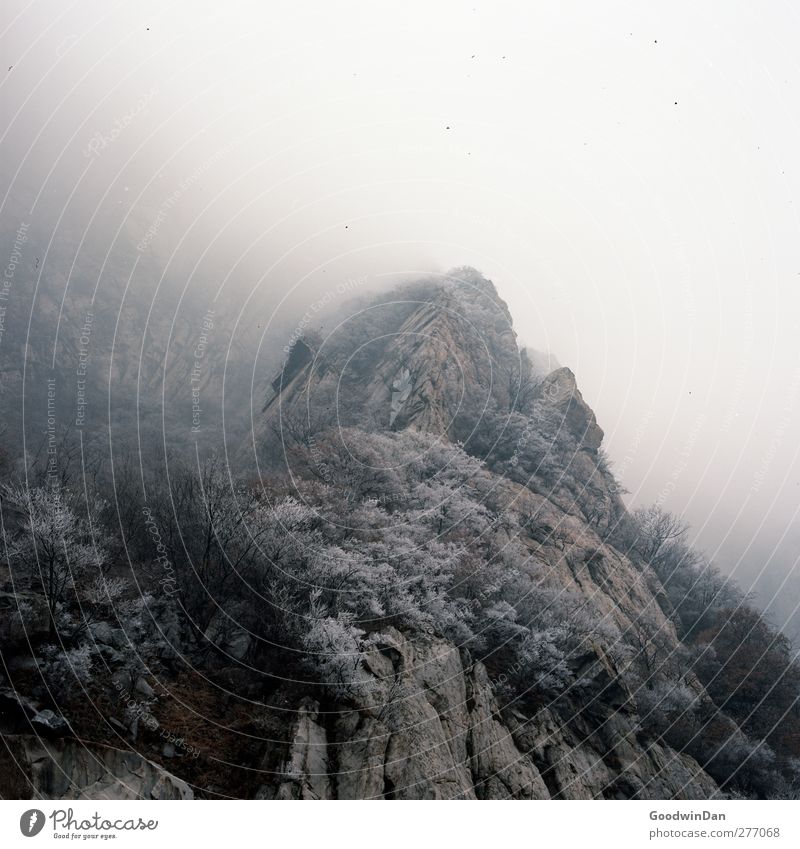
(399,401)
(645,237)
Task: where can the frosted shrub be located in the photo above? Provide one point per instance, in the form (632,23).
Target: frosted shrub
(333,654)
(66,671)
(667,708)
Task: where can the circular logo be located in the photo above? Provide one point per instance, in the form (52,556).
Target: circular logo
(31,822)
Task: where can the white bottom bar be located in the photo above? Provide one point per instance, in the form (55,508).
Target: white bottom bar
(596,825)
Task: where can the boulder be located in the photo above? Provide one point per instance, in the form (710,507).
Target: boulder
(105,634)
(143,689)
(231,640)
(49,722)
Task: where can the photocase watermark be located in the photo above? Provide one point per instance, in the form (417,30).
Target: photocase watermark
(14,259)
(196,375)
(83,363)
(169,202)
(395,498)
(168,583)
(323,301)
(140,711)
(63,820)
(32,822)
(320,463)
(509,674)
(51,468)
(102,139)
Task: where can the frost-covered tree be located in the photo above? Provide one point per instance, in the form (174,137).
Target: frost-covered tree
(657,529)
(333,653)
(64,669)
(55,543)
(210,527)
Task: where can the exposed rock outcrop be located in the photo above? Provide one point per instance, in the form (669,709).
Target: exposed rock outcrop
(456,347)
(70,769)
(560,390)
(437,730)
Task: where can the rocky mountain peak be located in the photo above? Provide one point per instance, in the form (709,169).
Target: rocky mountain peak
(560,390)
(416,359)
(468,284)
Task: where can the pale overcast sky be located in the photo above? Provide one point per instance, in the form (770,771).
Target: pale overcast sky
(627,173)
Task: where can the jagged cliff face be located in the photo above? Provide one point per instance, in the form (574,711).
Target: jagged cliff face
(441,732)
(408,363)
(68,769)
(443,726)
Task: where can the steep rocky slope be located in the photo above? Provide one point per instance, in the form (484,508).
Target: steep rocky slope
(440,729)
(440,732)
(409,361)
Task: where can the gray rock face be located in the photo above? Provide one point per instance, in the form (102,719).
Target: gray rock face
(560,390)
(105,634)
(33,768)
(436,730)
(143,689)
(446,351)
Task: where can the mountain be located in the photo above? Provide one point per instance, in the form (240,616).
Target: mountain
(449,353)
(424,585)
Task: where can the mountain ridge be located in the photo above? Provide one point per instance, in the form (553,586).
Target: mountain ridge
(431,589)
(467,316)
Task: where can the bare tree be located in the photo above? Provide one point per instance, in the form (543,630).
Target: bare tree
(51,544)
(656,529)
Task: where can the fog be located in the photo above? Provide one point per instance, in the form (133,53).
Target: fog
(627,176)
